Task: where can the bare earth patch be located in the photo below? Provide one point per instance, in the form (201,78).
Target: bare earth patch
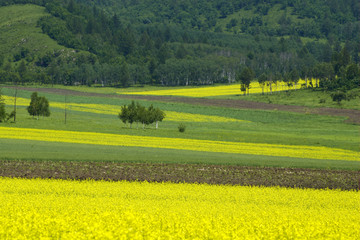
(353,116)
(189,173)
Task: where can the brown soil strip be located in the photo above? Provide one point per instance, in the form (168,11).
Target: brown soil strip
(189,173)
(352,115)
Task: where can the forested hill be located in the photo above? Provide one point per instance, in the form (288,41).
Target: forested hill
(315,19)
(183,42)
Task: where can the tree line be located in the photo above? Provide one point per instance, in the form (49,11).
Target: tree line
(114,49)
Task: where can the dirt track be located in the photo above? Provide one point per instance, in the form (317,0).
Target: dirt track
(352,115)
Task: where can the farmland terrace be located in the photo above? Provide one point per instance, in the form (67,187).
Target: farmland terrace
(352,114)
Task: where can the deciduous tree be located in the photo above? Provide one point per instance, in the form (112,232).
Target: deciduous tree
(245,78)
(38,106)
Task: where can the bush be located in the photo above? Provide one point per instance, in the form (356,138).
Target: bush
(338,96)
(181,127)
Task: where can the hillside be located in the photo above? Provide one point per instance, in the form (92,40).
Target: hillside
(172,43)
(22,40)
(20,37)
(313,19)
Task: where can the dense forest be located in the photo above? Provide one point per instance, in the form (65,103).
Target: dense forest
(122,43)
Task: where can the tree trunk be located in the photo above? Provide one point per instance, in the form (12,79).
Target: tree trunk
(157,124)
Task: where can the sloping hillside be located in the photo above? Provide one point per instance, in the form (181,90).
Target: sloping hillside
(19,35)
(143,42)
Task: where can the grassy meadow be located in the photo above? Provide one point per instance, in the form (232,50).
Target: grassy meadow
(194,175)
(18,27)
(282,94)
(99,115)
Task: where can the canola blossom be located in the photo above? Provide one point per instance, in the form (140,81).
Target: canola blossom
(213,91)
(295,151)
(63,209)
(114,110)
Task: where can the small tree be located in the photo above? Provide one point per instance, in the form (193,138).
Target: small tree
(4,117)
(245,78)
(124,114)
(33,108)
(43,107)
(2,110)
(142,115)
(262,80)
(156,115)
(294,77)
(132,114)
(38,106)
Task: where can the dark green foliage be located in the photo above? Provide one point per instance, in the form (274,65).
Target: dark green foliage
(39,106)
(245,77)
(124,43)
(262,81)
(4,117)
(2,110)
(338,96)
(156,115)
(135,112)
(181,127)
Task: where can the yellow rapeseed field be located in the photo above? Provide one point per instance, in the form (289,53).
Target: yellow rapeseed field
(295,151)
(60,209)
(114,110)
(212,91)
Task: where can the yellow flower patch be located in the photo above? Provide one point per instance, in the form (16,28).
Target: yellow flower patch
(59,209)
(212,91)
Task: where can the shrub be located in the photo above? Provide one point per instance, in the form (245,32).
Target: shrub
(181,127)
(338,96)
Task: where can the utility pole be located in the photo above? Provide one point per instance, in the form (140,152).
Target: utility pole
(15,95)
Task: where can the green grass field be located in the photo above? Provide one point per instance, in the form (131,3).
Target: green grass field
(273,127)
(301,97)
